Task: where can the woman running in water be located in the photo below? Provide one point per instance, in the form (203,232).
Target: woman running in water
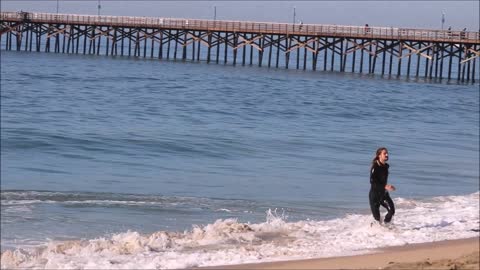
(379,188)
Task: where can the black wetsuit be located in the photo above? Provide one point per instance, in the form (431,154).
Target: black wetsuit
(378,195)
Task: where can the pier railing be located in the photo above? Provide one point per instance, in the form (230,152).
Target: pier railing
(253,27)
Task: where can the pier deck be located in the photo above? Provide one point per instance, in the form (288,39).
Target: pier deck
(63,32)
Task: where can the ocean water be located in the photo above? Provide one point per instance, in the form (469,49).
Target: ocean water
(117,162)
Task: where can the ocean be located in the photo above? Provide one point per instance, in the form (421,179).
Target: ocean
(118,162)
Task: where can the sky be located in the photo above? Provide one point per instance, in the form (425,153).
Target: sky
(408,14)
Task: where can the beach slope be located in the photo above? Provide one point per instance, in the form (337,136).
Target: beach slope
(451,254)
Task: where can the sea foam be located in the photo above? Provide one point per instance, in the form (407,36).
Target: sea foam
(228,241)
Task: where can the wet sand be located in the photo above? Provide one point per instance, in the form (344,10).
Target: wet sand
(451,254)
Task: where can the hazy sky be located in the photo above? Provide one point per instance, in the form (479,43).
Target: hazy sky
(414,14)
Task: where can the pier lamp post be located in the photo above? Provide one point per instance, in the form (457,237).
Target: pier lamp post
(99,7)
(57,6)
(443,18)
(214,13)
(294,14)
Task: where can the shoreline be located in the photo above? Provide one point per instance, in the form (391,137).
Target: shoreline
(446,254)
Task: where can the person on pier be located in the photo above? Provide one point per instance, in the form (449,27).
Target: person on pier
(367,28)
(463,33)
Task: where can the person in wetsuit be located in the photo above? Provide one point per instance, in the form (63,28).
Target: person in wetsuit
(379,188)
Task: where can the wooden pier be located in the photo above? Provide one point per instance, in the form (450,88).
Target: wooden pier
(432,54)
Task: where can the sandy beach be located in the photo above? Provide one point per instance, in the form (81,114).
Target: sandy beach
(451,254)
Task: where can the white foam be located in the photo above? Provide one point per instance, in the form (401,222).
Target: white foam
(224,210)
(231,242)
(21,202)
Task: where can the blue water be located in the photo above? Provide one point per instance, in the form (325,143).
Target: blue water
(93,145)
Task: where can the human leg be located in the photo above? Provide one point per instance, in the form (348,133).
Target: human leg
(374,205)
(390,207)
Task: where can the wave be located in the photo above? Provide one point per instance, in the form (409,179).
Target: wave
(228,241)
(29,197)
(86,144)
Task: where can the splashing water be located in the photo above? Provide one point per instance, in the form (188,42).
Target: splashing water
(227,241)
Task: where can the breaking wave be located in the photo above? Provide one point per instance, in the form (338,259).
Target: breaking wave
(228,241)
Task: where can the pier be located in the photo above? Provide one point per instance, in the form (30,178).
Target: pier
(431,54)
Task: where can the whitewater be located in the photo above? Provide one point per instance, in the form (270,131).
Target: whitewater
(227,241)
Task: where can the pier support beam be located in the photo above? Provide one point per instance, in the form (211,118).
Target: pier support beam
(435,59)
